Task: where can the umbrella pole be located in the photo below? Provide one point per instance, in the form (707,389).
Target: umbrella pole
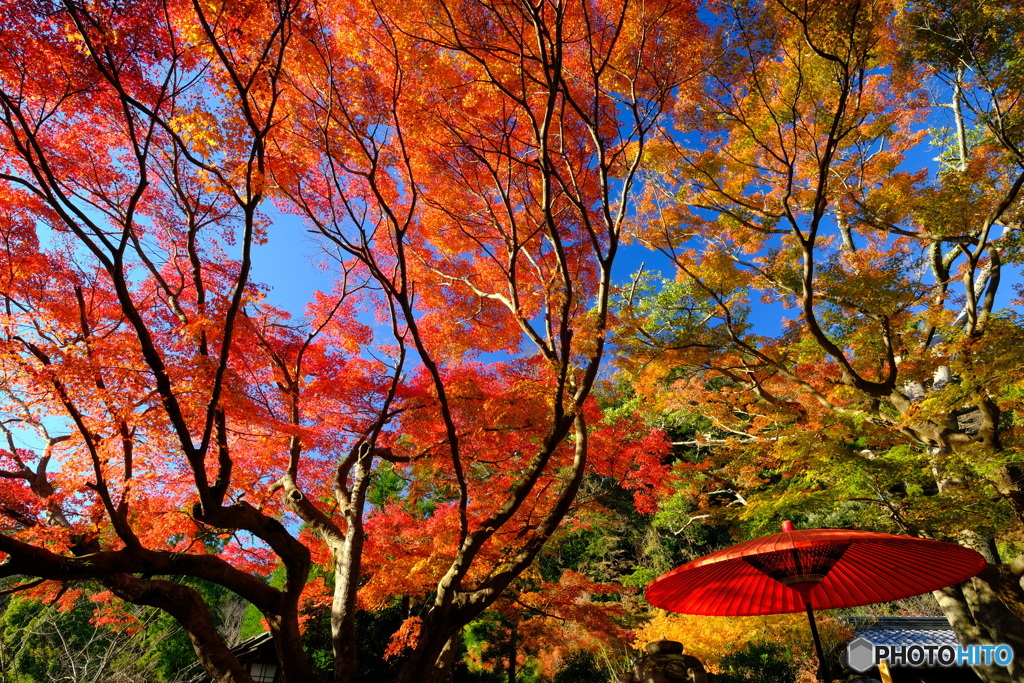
(817,644)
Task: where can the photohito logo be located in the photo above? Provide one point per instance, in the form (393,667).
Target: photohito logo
(863,654)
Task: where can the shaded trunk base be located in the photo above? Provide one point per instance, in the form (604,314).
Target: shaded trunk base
(431,661)
(977,615)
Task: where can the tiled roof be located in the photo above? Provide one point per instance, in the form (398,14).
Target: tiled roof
(250,647)
(899,623)
(908,637)
(904,630)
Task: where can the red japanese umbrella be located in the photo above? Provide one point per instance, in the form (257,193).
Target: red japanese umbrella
(797,571)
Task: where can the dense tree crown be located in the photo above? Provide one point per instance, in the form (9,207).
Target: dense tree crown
(426,426)
(891,394)
(427,450)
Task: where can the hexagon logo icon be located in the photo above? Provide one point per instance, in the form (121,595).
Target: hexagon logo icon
(861,654)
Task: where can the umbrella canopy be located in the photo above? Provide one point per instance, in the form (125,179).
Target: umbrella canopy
(801,571)
(825,568)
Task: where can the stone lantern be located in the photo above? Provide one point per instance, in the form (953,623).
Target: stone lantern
(666,663)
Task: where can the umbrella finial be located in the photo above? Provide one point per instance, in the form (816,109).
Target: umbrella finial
(787,525)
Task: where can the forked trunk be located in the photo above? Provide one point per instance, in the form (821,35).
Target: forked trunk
(431,660)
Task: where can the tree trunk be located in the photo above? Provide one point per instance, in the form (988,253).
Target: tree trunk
(978,615)
(343,622)
(347,570)
(1009,481)
(513,646)
(185,605)
(431,659)
(295,666)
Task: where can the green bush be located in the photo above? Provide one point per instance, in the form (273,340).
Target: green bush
(758,663)
(581,667)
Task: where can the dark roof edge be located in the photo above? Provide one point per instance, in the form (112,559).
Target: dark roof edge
(898,623)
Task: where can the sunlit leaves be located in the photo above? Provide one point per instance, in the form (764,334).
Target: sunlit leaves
(891,375)
(472,165)
(709,638)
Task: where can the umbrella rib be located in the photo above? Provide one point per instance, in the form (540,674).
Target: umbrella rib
(874,568)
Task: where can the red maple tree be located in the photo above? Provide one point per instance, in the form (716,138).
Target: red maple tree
(473,165)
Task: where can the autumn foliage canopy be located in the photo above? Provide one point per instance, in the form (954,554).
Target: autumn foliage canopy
(417,434)
(843,234)
(469,164)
